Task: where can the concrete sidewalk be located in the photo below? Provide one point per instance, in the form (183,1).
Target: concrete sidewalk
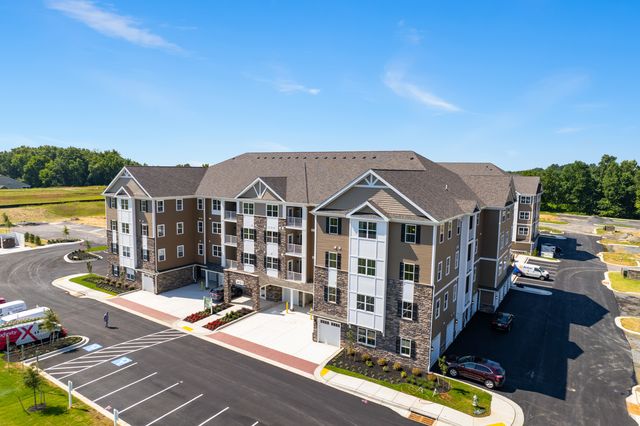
(78,290)
(503,410)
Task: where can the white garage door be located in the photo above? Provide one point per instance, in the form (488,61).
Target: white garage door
(450,333)
(435,352)
(328,332)
(147,283)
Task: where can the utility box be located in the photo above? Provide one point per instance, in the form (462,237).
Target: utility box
(609,228)
(631,274)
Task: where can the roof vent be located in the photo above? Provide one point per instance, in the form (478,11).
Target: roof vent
(446,187)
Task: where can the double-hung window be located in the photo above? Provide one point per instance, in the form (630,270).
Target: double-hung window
(446,301)
(145,254)
(144,230)
(409,272)
(273,210)
(216,227)
(458,226)
(144,206)
(332,259)
(160,231)
(125,228)
(200,203)
(448,265)
(437,308)
(524,215)
(160,206)
(525,199)
(367,230)
(334,225)
(249,259)
(130,274)
(248,208)
(271,262)
(200,249)
(439,277)
(180,251)
(407,310)
(457,259)
(405,347)
(114,225)
(366,337)
(248,233)
(449,230)
(115,270)
(365,303)
(179,204)
(200,226)
(126,251)
(271,237)
(410,232)
(216,251)
(367,267)
(162,255)
(441,228)
(332,294)
(523,230)
(124,204)
(180,228)
(215,206)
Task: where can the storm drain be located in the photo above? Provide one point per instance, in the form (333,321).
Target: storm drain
(419,418)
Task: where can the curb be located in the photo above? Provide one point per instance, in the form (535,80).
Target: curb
(66,259)
(607,283)
(48,355)
(83,292)
(618,322)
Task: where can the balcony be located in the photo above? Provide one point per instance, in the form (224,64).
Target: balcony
(294,276)
(294,249)
(230,216)
(231,240)
(294,222)
(232,264)
(467,299)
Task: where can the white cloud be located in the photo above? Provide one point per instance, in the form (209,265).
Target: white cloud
(288,86)
(566,130)
(395,81)
(111,24)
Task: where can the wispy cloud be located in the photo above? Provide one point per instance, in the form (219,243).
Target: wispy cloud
(289,86)
(111,24)
(283,83)
(409,34)
(568,129)
(395,80)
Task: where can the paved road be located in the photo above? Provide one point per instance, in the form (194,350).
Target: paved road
(252,390)
(566,361)
(94,234)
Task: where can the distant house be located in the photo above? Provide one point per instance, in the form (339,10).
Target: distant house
(8,183)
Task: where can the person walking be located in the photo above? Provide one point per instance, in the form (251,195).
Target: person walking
(106,319)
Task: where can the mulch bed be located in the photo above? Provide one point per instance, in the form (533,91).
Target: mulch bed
(82,255)
(197,316)
(227,318)
(29,350)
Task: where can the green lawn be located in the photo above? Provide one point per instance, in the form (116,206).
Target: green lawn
(32,196)
(56,413)
(97,248)
(622,259)
(619,283)
(82,281)
(550,230)
(460,397)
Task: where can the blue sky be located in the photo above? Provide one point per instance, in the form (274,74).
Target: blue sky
(519,83)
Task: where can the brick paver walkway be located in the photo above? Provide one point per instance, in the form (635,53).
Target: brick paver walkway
(280,357)
(154,313)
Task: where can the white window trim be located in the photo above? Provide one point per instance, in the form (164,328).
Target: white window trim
(524,215)
(215,248)
(200,227)
(178,249)
(366,303)
(437,308)
(200,203)
(523,228)
(413,235)
(214,210)
(245,208)
(179,201)
(404,347)
(200,249)
(162,255)
(179,228)
(439,275)
(447,269)
(161,230)
(446,302)
(336,226)
(366,335)
(215,225)
(272,206)
(160,206)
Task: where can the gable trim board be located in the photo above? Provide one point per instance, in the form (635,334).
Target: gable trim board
(252,184)
(122,175)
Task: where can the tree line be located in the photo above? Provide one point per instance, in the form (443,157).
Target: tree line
(608,188)
(47,165)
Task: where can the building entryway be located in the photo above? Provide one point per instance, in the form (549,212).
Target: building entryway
(328,332)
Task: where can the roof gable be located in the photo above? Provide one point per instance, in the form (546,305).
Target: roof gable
(261,189)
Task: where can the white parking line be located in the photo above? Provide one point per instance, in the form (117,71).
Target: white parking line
(149,397)
(214,416)
(125,386)
(174,410)
(106,375)
(255,424)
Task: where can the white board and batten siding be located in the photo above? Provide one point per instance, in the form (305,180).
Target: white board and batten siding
(128,240)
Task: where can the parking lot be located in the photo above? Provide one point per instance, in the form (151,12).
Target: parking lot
(564,357)
(551,267)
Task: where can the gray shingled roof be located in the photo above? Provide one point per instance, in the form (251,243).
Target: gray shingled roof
(477,169)
(161,181)
(529,185)
(10,183)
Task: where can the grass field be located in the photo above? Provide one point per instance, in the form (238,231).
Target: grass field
(622,259)
(81,280)
(631,323)
(552,218)
(89,213)
(620,283)
(62,194)
(56,413)
(550,230)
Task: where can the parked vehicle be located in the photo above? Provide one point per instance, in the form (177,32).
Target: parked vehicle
(217,295)
(27,332)
(502,321)
(12,307)
(548,250)
(533,271)
(2,300)
(490,373)
(34,313)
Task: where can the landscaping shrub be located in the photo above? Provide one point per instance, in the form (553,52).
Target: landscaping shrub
(230,316)
(382,362)
(416,371)
(403,374)
(27,236)
(385,368)
(397,366)
(37,241)
(365,357)
(351,351)
(369,364)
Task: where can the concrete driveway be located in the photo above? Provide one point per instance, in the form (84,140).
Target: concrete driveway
(178,303)
(96,235)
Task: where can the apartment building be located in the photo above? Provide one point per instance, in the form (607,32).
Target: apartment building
(390,249)
(527,213)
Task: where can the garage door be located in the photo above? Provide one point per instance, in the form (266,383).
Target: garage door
(147,283)
(328,332)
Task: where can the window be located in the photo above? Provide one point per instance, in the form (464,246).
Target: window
(200,226)
(449,230)
(200,203)
(333,225)
(115,270)
(180,251)
(407,310)
(216,227)
(457,259)
(273,210)
(271,237)
(131,274)
(248,233)
(437,308)
(126,251)
(524,215)
(114,247)
(409,272)
(523,230)
(332,294)
(366,337)
(448,265)
(332,259)
(248,259)
(216,251)
(365,303)
(124,204)
(469,252)
(180,228)
(410,233)
(144,230)
(114,225)
(145,254)
(525,199)
(125,228)
(441,229)
(455,292)
(247,208)
(179,204)
(215,206)
(439,271)
(367,267)
(367,230)
(475,248)
(161,255)
(200,249)
(109,202)
(405,347)
(160,206)
(271,262)
(458,226)
(144,206)
(446,301)
(160,230)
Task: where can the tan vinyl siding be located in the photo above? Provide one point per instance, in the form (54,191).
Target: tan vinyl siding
(447,249)
(419,254)
(327,242)
(384,198)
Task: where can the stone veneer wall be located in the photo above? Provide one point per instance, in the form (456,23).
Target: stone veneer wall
(240,243)
(337,311)
(149,265)
(274,293)
(174,279)
(251,286)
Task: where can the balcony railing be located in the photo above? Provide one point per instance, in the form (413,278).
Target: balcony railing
(232,264)
(467,298)
(229,215)
(231,240)
(294,248)
(294,276)
(294,222)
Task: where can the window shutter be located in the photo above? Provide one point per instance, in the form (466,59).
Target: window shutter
(398,344)
(340,226)
(326,259)
(326,224)
(242,233)
(414,315)
(417,234)
(339,261)
(264,261)
(403,228)
(264,234)
(399,308)
(401,271)
(338,292)
(278,238)
(413,349)
(416,273)
(326,293)
(278,264)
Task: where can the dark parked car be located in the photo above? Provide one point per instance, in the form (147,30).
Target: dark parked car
(2,300)
(217,295)
(502,321)
(490,373)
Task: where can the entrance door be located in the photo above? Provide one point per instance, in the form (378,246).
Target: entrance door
(263,292)
(147,283)
(328,332)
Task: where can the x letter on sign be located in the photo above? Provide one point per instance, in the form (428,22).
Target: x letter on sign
(26,331)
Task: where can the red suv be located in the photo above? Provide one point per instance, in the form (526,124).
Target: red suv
(475,368)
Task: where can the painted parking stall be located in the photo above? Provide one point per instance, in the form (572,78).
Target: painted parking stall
(552,267)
